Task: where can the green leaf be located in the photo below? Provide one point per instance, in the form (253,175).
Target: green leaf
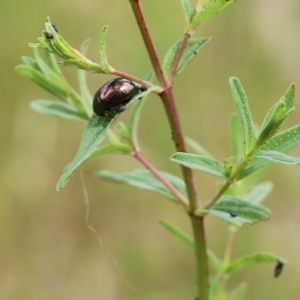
(53,65)
(57,88)
(135,113)
(238,211)
(29,61)
(284,141)
(277,157)
(123,131)
(111,149)
(102,49)
(259,192)
(289,97)
(237,138)
(112,138)
(208,11)
(145,180)
(251,260)
(192,48)
(188,10)
(85,94)
(200,162)
(46,70)
(236,221)
(92,137)
(241,102)
(188,240)
(195,146)
(58,109)
(54,88)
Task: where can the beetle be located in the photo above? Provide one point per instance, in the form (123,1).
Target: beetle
(48,36)
(114,95)
(55,27)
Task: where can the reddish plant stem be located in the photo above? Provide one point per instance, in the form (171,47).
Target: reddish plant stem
(178,138)
(147,84)
(142,159)
(179,54)
(139,16)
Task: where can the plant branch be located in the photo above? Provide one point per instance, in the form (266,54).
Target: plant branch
(142,159)
(217,197)
(183,45)
(178,138)
(147,84)
(153,55)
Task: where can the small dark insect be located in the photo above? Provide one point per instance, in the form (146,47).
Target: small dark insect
(278,268)
(233,214)
(48,36)
(55,27)
(114,95)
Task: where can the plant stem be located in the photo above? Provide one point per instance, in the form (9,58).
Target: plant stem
(147,84)
(142,159)
(168,100)
(201,257)
(183,45)
(139,16)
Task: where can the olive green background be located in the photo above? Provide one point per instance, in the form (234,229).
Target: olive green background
(46,250)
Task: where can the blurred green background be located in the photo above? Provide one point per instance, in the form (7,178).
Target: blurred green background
(47,252)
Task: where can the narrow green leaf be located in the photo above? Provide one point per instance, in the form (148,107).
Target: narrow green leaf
(273,121)
(53,65)
(31,62)
(58,109)
(236,221)
(209,10)
(241,102)
(46,70)
(200,162)
(251,260)
(259,192)
(281,142)
(52,87)
(237,208)
(112,138)
(135,113)
(237,138)
(92,137)
(277,157)
(289,97)
(57,88)
(145,180)
(284,141)
(193,46)
(111,149)
(195,146)
(123,131)
(188,10)
(85,94)
(188,240)
(102,49)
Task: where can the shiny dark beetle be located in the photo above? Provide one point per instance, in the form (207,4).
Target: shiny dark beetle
(48,36)
(55,27)
(114,95)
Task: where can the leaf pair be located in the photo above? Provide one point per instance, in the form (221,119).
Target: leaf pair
(204,11)
(251,151)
